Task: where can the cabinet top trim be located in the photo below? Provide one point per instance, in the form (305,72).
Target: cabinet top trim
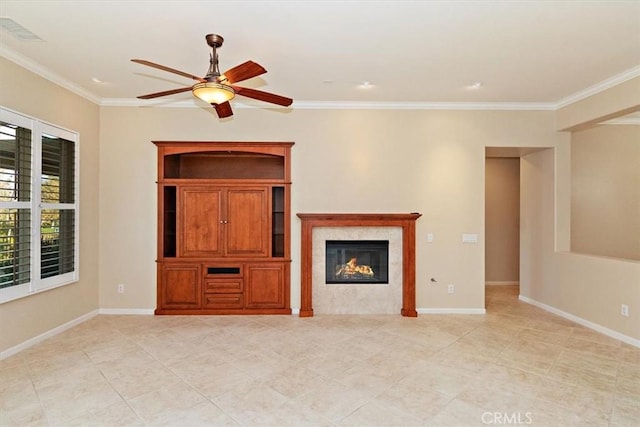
(183,147)
(225,143)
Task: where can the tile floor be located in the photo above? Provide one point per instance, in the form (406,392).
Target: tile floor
(516,365)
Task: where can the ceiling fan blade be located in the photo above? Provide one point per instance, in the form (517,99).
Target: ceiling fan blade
(164,93)
(242,72)
(223,110)
(171,70)
(263,96)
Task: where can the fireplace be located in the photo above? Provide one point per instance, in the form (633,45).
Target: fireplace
(357,261)
(398,229)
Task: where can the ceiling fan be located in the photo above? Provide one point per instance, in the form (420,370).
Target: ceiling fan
(218,88)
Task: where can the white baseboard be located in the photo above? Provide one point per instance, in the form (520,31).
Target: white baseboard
(127,311)
(50,333)
(295,311)
(598,328)
(501,283)
(451,311)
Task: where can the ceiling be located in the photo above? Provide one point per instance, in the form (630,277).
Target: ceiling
(525,53)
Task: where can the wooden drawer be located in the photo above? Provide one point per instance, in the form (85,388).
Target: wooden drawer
(224,286)
(223,301)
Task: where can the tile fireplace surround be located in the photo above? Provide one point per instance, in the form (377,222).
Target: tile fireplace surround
(357,298)
(405,221)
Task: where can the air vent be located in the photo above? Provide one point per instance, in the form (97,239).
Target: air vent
(17,30)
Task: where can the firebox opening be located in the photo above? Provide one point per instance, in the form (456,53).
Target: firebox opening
(357,261)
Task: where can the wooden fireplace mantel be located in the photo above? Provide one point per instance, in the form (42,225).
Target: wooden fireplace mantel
(406,221)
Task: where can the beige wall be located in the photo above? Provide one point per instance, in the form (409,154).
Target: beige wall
(605,191)
(502,220)
(589,287)
(619,100)
(432,162)
(29,94)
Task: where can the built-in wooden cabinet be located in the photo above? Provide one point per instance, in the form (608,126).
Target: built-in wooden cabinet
(223,228)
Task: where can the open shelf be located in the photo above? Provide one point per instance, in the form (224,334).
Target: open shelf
(225,165)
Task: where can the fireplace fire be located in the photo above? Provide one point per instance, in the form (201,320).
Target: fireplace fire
(357,261)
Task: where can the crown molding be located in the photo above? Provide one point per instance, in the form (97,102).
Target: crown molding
(344,105)
(599,87)
(168,103)
(134,102)
(38,69)
(352,105)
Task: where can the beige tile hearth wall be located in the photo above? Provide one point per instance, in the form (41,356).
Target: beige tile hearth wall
(357,299)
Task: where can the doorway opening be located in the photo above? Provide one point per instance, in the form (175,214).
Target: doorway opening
(502,221)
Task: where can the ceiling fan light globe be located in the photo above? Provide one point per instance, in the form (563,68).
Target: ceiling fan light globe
(213,93)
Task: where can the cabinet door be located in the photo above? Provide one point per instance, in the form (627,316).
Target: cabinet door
(264,286)
(247,223)
(180,286)
(201,221)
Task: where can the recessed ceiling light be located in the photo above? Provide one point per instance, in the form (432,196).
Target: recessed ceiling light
(365,85)
(96,80)
(475,85)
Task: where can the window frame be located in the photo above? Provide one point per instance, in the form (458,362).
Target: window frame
(36,284)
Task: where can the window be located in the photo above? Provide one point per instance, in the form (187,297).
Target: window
(38,206)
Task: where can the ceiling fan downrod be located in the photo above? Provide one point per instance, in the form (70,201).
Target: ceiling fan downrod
(215,41)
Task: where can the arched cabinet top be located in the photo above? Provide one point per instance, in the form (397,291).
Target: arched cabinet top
(224,160)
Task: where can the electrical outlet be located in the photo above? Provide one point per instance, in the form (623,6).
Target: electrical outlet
(469,238)
(624,310)
(121,288)
(451,289)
